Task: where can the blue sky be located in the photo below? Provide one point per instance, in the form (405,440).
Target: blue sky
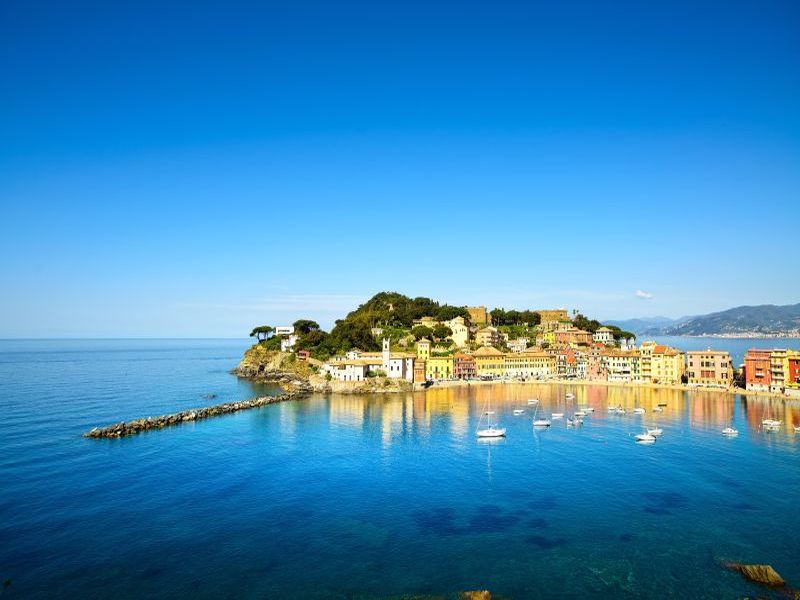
(197,168)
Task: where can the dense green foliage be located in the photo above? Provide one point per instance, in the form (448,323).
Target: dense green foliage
(421,331)
(592,325)
(441,332)
(261,332)
(304,326)
(515,317)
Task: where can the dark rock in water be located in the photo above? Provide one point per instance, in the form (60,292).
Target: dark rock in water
(195,414)
(208,396)
(440,521)
(489,518)
(763,574)
(664,502)
(476,595)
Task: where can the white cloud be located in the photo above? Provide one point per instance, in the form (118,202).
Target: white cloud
(643,295)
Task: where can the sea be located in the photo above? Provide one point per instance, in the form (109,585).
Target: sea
(382,496)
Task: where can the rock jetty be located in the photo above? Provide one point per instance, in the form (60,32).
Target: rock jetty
(124,429)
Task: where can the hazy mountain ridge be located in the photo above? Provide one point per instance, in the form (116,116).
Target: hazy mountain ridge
(766,319)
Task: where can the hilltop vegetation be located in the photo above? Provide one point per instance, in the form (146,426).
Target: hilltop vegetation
(394,314)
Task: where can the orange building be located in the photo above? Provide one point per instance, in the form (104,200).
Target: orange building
(757,370)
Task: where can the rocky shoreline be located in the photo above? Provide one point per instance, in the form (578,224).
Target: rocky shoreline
(123,429)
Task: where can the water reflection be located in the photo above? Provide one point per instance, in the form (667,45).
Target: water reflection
(457,409)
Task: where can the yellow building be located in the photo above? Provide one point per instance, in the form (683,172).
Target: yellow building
(439,367)
(478,315)
(792,373)
(646,361)
(529,363)
(549,337)
(489,362)
(558,314)
(424,349)
(667,365)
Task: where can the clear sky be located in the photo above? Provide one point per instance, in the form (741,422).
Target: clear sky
(193,169)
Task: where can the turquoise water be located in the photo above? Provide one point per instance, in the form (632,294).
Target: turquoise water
(367,497)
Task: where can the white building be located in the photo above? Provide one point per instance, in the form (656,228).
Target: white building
(460,331)
(284,330)
(519,344)
(288,343)
(356,364)
(604,336)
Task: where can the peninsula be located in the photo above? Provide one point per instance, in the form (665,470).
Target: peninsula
(394,343)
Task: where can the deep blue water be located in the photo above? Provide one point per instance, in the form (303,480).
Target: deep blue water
(368,497)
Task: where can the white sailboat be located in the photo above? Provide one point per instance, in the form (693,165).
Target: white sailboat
(639,410)
(645,438)
(533,401)
(519,411)
(730,431)
(491,430)
(540,423)
(655,431)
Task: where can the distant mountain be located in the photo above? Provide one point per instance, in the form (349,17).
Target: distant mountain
(743,320)
(644,325)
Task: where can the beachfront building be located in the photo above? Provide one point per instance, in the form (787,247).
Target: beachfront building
(460,335)
(646,360)
(792,382)
(604,336)
(709,368)
(622,366)
(346,370)
(777,367)
(464,366)
(757,374)
(478,315)
(439,367)
(488,336)
(395,365)
(518,345)
(595,364)
(667,365)
(488,362)
(566,363)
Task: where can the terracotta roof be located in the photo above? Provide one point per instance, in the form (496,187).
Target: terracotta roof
(487,351)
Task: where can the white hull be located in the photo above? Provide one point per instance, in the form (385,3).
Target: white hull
(730,431)
(638,411)
(655,432)
(533,401)
(645,438)
(519,411)
(557,415)
(541,423)
(491,432)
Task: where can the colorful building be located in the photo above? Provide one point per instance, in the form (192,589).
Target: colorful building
(439,367)
(757,374)
(777,367)
(709,368)
(573,335)
(464,366)
(622,366)
(604,336)
(489,362)
(667,365)
(793,373)
(423,349)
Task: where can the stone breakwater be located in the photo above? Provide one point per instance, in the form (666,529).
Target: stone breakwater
(123,428)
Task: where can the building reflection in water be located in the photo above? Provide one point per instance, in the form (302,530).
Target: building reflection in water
(459,408)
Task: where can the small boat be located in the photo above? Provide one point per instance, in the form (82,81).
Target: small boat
(771,422)
(645,438)
(588,409)
(620,411)
(557,416)
(541,423)
(574,422)
(533,401)
(797,428)
(658,409)
(491,430)
(730,431)
(519,411)
(638,410)
(612,409)
(655,431)
(569,396)
(580,413)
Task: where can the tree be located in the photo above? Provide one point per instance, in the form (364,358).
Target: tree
(447,312)
(421,331)
(441,332)
(305,325)
(261,332)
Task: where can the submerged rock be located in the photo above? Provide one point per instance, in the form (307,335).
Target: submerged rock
(476,595)
(763,574)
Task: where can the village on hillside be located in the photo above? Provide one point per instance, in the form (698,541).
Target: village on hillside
(549,347)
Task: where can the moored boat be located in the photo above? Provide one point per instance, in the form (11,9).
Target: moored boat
(645,438)
(730,431)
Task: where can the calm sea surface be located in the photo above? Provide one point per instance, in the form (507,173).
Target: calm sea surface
(367,497)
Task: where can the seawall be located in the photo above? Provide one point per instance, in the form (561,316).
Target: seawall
(123,429)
